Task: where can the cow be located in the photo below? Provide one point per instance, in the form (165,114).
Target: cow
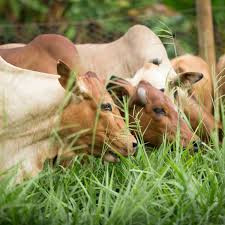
(126,55)
(40,45)
(202,90)
(122,57)
(191,90)
(36,105)
(220,68)
(43,53)
(156,113)
(200,94)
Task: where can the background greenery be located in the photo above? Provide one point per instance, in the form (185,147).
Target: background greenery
(105,20)
(159,186)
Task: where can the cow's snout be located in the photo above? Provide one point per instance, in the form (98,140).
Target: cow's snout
(197,145)
(135,145)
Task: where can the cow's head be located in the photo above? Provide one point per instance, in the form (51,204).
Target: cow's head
(158,115)
(179,87)
(164,78)
(197,101)
(92,110)
(153,72)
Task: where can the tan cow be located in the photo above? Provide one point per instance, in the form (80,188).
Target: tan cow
(202,90)
(122,57)
(198,106)
(126,55)
(29,112)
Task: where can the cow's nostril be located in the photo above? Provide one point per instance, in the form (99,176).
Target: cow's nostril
(135,145)
(197,145)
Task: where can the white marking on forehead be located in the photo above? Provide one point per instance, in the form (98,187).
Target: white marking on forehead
(155,75)
(142,95)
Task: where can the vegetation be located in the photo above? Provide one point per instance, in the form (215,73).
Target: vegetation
(158,186)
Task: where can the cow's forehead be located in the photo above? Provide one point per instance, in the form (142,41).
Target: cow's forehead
(93,86)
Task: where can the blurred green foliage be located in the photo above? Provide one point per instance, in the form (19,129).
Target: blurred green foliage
(105,20)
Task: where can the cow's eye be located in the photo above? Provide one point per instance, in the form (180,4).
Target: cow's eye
(159,111)
(106,107)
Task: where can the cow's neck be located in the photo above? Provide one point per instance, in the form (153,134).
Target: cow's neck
(27,151)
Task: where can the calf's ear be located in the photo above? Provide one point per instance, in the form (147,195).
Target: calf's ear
(120,87)
(67,77)
(185,79)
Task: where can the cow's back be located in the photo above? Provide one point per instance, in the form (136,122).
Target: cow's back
(126,55)
(43,53)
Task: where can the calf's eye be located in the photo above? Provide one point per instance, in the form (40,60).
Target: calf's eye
(106,107)
(159,111)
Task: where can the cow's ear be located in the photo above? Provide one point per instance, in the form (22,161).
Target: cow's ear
(120,87)
(185,79)
(67,76)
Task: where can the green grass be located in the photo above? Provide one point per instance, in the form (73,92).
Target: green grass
(158,186)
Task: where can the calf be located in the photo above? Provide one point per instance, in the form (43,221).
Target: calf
(30,112)
(192,86)
(202,90)
(200,93)
(156,113)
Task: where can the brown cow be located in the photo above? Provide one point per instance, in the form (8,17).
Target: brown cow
(157,114)
(198,105)
(42,54)
(29,112)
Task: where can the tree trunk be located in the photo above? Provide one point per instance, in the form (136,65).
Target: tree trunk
(205,33)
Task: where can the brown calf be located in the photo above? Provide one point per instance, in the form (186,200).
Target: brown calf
(157,114)
(42,54)
(97,113)
(198,106)
(25,132)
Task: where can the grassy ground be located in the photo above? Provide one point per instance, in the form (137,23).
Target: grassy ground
(158,186)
